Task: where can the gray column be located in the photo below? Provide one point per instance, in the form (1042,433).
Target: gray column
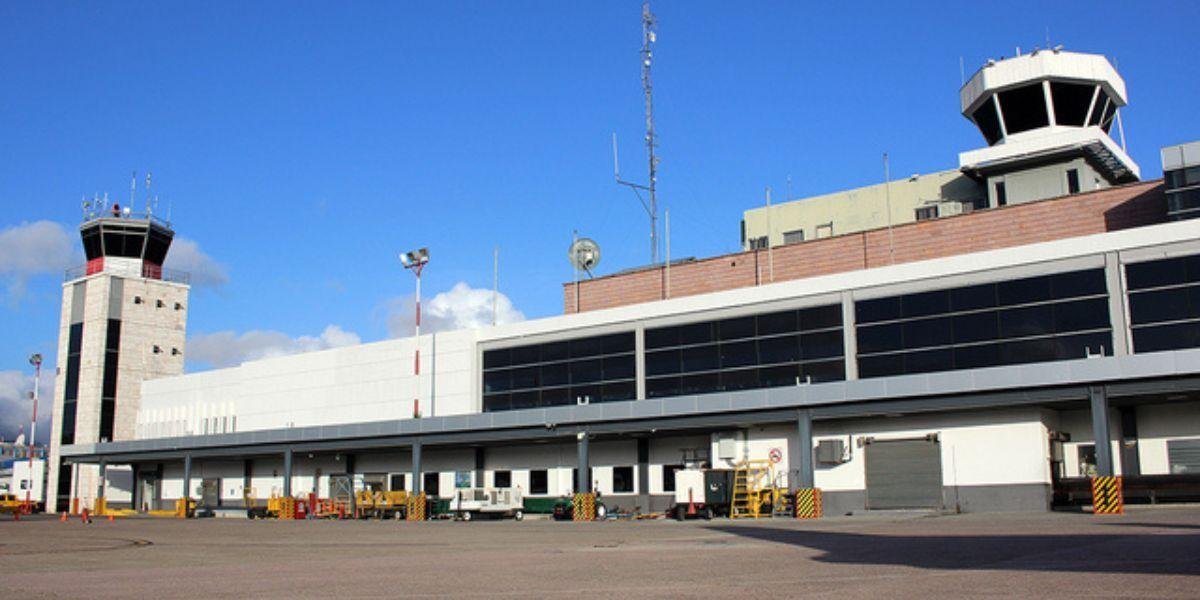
(187,475)
(639,365)
(1131,464)
(248,477)
(805,478)
(849,336)
(287,472)
(1116,304)
(135,494)
(1099,400)
(480,465)
(103,477)
(643,473)
(583,477)
(416,467)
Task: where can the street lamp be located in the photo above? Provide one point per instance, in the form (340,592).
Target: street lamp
(415,261)
(36,361)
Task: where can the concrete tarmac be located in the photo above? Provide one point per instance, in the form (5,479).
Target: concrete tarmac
(1146,553)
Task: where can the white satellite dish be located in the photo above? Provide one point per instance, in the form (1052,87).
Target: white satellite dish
(584,254)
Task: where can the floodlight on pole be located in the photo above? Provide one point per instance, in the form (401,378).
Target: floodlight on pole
(36,361)
(415,261)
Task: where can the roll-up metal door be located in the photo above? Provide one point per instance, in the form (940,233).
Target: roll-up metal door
(904,473)
(1184,456)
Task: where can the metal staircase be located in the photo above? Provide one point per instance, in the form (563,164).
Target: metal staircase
(753,493)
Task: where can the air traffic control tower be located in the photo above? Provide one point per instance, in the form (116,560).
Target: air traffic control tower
(1047,117)
(123,321)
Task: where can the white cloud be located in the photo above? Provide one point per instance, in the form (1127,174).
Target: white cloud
(16,407)
(463,307)
(32,249)
(186,255)
(227,348)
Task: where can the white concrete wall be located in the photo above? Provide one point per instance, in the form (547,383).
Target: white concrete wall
(1002,447)
(1162,422)
(369,382)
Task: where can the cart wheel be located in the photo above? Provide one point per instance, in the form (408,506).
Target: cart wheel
(601,512)
(466,516)
(708,513)
(519,515)
(680,512)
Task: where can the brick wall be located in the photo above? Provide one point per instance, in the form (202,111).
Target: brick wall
(1111,209)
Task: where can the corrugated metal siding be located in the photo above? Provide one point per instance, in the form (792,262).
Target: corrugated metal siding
(1184,456)
(904,474)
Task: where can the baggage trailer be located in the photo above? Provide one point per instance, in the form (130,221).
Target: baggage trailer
(470,503)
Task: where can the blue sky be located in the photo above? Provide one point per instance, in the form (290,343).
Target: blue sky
(301,146)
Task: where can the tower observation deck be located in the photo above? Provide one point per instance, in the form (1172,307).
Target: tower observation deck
(127,244)
(1048,107)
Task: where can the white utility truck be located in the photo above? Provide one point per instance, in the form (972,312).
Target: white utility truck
(499,503)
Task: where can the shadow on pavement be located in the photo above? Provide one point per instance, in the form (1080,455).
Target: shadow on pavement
(1163,554)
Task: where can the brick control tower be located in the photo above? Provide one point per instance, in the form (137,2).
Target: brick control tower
(123,321)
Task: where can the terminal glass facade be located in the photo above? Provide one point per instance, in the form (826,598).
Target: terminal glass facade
(766,350)
(593,369)
(1164,303)
(1051,317)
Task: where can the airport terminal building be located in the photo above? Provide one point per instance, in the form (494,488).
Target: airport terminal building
(1040,326)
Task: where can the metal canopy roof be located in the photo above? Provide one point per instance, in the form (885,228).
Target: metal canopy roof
(1172,372)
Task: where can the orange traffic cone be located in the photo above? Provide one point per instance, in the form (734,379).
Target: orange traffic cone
(111,518)
(63,517)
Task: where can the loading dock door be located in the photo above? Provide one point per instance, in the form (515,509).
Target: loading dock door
(904,473)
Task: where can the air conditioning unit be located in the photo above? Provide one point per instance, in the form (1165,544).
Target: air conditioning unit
(831,452)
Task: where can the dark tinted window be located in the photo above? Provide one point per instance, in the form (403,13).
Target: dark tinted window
(989,124)
(1024,108)
(622,480)
(595,369)
(1051,317)
(1164,303)
(766,350)
(1071,101)
(502,479)
(539,482)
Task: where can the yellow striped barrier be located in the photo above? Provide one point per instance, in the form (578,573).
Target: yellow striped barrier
(808,503)
(1107,496)
(415,507)
(584,507)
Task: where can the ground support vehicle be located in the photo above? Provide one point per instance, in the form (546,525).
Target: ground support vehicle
(564,510)
(380,504)
(702,493)
(471,503)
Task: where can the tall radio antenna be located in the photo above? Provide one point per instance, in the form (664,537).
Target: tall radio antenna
(651,206)
(648,38)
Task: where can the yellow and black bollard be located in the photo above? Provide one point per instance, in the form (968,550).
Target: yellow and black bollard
(583,507)
(1107,496)
(415,507)
(808,503)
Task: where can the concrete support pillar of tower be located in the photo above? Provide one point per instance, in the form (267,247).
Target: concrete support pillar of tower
(1098,397)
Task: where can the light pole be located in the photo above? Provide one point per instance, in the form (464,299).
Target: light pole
(415,261)
(36,361)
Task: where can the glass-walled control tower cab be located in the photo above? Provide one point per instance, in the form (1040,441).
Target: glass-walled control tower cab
(1048,119)
(118,241)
